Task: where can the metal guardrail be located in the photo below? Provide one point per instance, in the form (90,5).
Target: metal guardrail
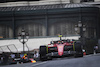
(8,48)
(11,48)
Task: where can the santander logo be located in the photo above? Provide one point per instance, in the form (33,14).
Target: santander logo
(60,49)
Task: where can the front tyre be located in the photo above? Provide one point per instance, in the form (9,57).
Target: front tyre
(43,52)
(78,49)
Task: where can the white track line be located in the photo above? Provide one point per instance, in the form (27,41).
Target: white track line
(88,55)
(92,55)
(38,64)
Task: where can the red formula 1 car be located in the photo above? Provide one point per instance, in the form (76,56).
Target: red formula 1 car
(61,48)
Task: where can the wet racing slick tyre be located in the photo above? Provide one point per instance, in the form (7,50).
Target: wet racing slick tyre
(43,52)
(78,49)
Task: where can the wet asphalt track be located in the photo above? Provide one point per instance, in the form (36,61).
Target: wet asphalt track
(86,61)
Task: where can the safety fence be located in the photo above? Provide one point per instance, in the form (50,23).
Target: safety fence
(11,48)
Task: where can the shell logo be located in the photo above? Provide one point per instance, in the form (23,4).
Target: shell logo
(60,46)
(60,49)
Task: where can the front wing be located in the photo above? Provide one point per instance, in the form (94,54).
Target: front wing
(64,53)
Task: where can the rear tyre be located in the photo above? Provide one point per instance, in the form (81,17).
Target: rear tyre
(49,58)
(78,49)
(43,52)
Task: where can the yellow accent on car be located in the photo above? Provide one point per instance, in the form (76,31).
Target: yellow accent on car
(73,46)
(47,48)
(33,61)
(59,35)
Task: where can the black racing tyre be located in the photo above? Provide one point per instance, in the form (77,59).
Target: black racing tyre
(78,46)
(43,52)
(49,58)
(78,54)
(78,49)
